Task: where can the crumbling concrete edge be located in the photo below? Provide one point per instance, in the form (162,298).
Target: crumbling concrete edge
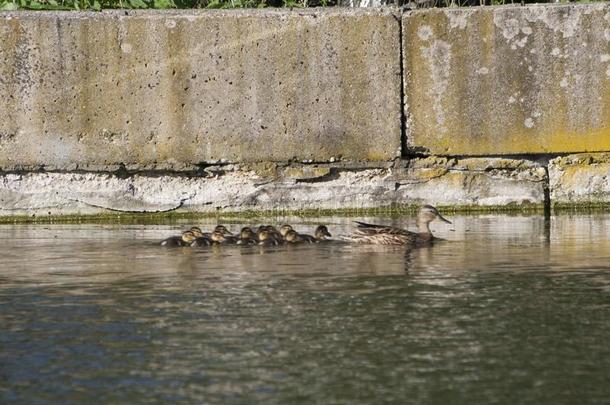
(489,184)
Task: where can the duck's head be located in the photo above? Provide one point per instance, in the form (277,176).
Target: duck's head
(284,229)
(291,235)
(222,229)
(428,213)
(322,232)
(197,232)
(246,233)
(188,236)
(218,236)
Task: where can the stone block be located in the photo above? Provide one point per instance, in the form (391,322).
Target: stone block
(508,80)
(167,90)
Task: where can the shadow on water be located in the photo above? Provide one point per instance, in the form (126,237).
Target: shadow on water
(510,309)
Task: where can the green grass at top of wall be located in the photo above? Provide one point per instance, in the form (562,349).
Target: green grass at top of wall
(211,4)
(153,4)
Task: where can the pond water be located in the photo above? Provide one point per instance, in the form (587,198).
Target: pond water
(510,309)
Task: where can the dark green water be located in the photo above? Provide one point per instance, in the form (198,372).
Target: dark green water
(508,310)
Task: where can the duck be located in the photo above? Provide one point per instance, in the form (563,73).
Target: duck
(247,237)
(220,238)
(268,238)
(320,235)
(387,235)
(284,229)
(219,228)
(185,239)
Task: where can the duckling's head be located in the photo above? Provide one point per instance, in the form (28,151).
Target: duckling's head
(284,229)
(291,235)
(428,213)
(271,228)
(188,236)
(218,236)
(246,233)
(197,232)
(322,232)
(222,229)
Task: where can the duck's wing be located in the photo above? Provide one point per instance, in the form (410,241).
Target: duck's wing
(372,229)
(379,238)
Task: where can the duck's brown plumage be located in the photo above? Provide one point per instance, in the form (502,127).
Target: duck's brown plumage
(387,235)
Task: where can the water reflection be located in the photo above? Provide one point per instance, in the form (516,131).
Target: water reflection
(508,309)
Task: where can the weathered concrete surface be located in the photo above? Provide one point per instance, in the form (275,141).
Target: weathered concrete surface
(439,181)
(170,89)
(580,179)
(508,80)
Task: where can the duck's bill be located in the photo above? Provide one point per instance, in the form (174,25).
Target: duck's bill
(443,219)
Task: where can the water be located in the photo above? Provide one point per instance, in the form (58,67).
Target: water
(511,309)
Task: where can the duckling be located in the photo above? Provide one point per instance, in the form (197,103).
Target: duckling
(200,241)
(293,237)
(223,229)
(266,238)
(176,241)
(219,238)
(196,231)
(274,232)
(284,230)
(386,235)
(247,237)
(320,235)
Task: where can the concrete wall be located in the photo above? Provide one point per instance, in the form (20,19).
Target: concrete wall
(307,105)
(167,90)
(508,80)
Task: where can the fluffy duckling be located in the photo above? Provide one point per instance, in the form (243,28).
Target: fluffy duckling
(320,235)
(284,229)
(267,238)
(196,231)
(176,241)
(201,239)
(223,229)
(274,232)
(293,237)
(219,238)
(247,237)
(386,235)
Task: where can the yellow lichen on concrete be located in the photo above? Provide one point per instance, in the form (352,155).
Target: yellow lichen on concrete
(580,179)
(508,80)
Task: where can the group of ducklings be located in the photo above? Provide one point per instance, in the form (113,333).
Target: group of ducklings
(268,235)
(265,235)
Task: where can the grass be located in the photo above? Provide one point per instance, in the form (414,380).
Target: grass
(210,4)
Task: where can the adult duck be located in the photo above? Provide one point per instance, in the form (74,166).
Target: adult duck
(387,235)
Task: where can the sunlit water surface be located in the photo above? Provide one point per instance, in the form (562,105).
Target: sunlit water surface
(510,309)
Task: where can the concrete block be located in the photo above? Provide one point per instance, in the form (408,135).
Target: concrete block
(508,80)
(170,89)
(580,179)
(467,183)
